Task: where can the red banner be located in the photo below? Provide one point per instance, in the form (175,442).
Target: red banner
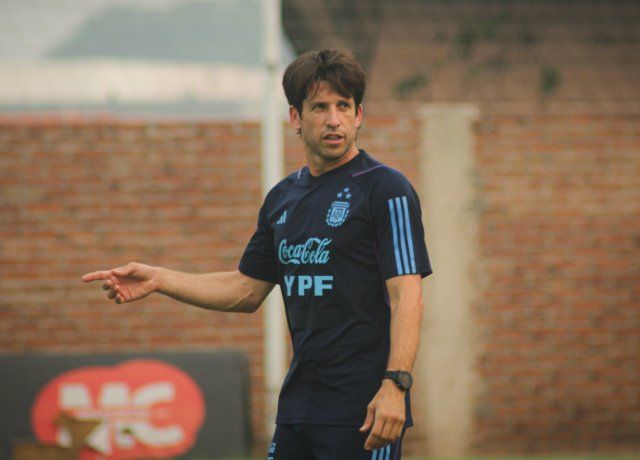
(147,409)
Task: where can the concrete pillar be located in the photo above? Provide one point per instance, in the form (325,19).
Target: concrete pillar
(446,369)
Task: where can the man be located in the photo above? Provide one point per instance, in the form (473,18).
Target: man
(343,238)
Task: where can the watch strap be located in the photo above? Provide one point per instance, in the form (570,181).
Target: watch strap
(395,376)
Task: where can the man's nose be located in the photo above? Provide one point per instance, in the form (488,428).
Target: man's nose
(332,117)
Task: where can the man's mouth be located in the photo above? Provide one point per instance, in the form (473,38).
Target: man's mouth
(332,137)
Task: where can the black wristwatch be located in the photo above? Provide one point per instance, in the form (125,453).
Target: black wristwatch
(402,378)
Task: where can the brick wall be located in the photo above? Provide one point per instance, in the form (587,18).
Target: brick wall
(93,195)
(559,319)
(559,199)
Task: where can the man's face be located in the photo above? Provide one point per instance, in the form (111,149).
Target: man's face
(328,125)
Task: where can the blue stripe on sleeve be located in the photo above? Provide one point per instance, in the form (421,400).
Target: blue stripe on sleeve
(374,456)
(395,236)
(403,245)
(388,451)
(409,236)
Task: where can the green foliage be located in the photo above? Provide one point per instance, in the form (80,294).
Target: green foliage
(470,33)
(550,78)
(407,87)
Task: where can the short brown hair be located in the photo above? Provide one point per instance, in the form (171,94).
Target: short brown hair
(337,67)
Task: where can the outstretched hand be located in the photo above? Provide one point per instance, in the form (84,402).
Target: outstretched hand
(126,284)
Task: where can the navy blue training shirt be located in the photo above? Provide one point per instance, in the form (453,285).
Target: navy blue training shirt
(331,242)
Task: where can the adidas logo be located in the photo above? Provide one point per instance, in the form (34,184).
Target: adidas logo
(283,218)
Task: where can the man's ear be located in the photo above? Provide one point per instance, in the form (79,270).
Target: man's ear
(359,115)
(294,118)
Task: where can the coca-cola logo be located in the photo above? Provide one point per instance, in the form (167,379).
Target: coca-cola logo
(148,409)
(312,251)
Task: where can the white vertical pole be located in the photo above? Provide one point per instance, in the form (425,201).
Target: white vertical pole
(272,172)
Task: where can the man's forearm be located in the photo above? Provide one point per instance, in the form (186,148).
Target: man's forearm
(386,411)
(221,291)
(406,323)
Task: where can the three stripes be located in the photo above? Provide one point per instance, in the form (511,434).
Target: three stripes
(383,453)
(402,237)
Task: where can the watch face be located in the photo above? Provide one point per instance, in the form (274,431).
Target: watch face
(404,380)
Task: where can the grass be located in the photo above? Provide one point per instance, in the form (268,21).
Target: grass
(489,457)
(538,457)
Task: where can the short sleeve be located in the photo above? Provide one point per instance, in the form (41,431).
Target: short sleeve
(258,260)
(398,231)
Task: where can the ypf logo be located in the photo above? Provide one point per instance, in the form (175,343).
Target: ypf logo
(148,409)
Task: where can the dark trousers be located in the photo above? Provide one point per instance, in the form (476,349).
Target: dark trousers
(327,442)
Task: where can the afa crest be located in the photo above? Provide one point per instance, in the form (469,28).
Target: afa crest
(339,209)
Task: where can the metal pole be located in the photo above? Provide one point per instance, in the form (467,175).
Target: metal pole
(272,172)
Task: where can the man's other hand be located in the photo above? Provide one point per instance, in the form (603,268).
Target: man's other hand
(385,416)
(126,284)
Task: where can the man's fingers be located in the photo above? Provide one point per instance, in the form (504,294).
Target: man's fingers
(375,440)
(369,442)
(394,433)
(93,276)
(384,432)
(387,432)
(368,421)
(126,270)
(113,284)
(395,429)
